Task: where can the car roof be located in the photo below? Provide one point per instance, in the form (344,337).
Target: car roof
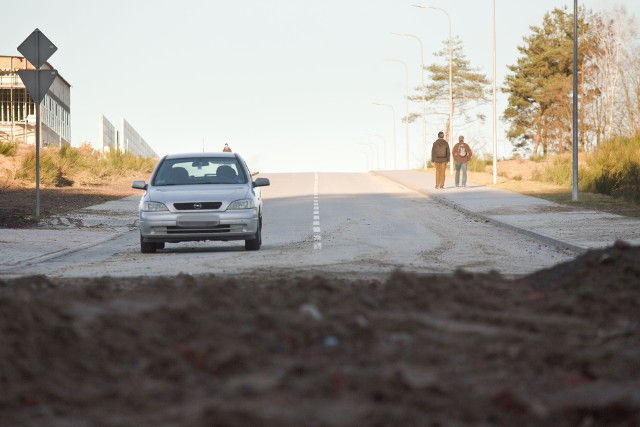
(201,154)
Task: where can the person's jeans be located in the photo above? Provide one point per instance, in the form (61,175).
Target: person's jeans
(462,166)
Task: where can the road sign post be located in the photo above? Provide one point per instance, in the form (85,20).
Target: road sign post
(37,49)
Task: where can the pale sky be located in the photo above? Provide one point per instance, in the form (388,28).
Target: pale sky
(289,84)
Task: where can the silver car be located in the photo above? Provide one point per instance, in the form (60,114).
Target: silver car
(200,196)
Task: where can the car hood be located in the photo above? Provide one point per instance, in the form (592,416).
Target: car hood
(198,193)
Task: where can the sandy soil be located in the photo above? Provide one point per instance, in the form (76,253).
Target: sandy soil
(560,347)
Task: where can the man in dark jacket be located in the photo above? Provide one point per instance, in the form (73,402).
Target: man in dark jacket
(440,157)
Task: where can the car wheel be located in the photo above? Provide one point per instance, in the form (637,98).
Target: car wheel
(255,243)
(147,247)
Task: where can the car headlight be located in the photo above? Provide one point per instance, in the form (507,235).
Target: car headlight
(242,204)
(152,207)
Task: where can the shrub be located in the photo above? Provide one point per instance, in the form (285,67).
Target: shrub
(536,175)
(8,148)
(116,162)
(63,166)
(628,186)
(559,172)
(53,171)
(614,169)
(477,164)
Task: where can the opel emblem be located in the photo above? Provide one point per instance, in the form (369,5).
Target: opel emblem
(197,206)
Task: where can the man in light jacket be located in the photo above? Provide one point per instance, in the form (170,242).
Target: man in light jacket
(440,157)
(461,155)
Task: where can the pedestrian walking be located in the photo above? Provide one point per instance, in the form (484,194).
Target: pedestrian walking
(461,155)
(440,157)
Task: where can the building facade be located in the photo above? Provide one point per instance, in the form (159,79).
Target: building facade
(126,141)
(18,111)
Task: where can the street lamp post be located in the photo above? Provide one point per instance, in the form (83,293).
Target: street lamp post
(424,98)
(574,171)
(365,154)
(495,136)
(450,78)
(374,152)
(395,150)
(384,149)
(406,100)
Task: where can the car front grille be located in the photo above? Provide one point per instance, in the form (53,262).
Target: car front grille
(194,206)
(217,229)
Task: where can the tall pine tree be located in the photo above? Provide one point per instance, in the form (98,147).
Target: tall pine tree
(470,87)
(540,103)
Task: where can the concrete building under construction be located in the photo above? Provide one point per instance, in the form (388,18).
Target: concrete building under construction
(126,141)
(17,110)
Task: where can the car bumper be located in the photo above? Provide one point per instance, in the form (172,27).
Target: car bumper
(181,227)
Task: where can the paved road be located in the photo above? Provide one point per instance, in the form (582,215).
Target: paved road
(367,225)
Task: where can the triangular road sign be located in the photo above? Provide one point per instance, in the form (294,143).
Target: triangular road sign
(37,48)
(37,82)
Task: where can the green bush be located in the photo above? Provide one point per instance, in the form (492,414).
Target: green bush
(52,171)
(614,169)
(116,162)
(537,158)
(8,148)
(61,166)
(628,186)
(477,164)
(558,172)
(536,175)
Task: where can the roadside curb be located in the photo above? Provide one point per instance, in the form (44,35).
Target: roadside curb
(56,254)
(546,239)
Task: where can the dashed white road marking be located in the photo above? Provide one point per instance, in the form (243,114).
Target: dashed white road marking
(317,236)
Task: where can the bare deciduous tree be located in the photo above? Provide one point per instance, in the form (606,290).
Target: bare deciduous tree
(606,80)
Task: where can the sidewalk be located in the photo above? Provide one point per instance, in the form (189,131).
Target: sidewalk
(562,226)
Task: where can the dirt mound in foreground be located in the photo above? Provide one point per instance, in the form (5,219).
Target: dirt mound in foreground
(559,347)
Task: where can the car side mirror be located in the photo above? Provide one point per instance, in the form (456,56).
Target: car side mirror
(140,185)
(261,182)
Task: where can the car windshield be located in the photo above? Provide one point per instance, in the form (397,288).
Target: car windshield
(200,170)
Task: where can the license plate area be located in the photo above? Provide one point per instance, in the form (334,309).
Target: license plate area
(198,221)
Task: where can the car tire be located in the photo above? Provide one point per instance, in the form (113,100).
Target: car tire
(147,247)
(255,243)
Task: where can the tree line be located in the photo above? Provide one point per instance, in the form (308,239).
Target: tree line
(540,84)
